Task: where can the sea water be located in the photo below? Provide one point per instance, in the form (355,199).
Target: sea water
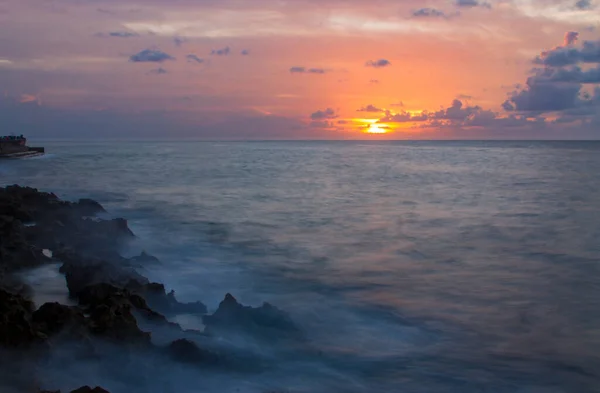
(409,266)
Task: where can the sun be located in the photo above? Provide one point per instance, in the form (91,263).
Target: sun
(376,129)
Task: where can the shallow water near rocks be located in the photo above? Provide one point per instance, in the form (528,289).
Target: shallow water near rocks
(413,267)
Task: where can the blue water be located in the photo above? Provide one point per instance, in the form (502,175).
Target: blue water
(412,267)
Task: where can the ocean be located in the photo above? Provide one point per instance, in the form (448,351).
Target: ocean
(410,266)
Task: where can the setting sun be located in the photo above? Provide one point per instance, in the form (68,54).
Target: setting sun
(377,129)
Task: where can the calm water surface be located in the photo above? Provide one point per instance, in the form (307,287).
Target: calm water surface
(412,267)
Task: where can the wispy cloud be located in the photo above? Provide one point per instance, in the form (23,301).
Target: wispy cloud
(191,58)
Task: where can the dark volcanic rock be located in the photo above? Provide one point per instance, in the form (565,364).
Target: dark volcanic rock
(266,321)
(15,324)
(81,272)
(111,314)
(51,318)
(15,251)
(187,351)
(87,389)
(144,259)
(165,303)
(89,207)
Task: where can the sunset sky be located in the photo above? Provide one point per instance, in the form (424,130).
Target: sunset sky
(301,69)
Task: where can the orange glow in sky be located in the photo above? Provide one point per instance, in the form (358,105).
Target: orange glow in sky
(289,69)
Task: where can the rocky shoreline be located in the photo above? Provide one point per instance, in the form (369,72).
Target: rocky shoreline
(117,307)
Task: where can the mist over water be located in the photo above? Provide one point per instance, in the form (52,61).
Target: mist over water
(413,267)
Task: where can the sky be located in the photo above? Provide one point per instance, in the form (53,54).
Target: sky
(301,69)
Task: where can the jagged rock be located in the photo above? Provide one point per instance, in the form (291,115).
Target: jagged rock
(51,318)
(81,272)
(266,321)
(111,314)
(144,259)
(187,351)
(15,324)
(87,389)
(89,207)
(165,303)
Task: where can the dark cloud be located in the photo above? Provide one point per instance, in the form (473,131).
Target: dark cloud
(304,70)
(458,115)
(571,37)
(179,41)
(404,117)
(158,71)
(472,4)
(105,11)
(221,52)
(539,96)
(584,5)
(564,56)
(191,58)
(374,81)
(324,114)
(378,63)
(428,13)
(558,86)
(370,108)
(150,56)
(122,34)
(456,111)
(245,52)
(572,74)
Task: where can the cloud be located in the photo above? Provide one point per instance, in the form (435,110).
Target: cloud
(584,5)
(564,56)
(544,97)
(26,98)
(558,87)
(105,11)
(221,52)
(150,56)
(179,41)
(245,52)
(571,37)
(122,34)
(324,114)
(459,116)
(374,81)
(158,71)
(428,13)
(370,108)
(378,63)
(191,58)
(572,74)
(472,4)
(304,70)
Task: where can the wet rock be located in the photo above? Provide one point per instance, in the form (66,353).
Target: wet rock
(15,324)
(87,389)
(51,318)
(165,303)
(111,314)
(89,207)
(144,259)
(266,321)
(81,272)
(187,351)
